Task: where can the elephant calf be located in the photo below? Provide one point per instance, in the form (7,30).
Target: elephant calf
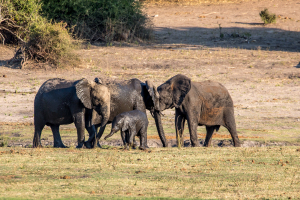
(132,123)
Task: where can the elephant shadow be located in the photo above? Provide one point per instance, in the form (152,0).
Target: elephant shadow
(216,143)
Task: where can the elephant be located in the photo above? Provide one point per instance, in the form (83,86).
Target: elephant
(60,101)
(127,96)
(132,123)
(200,103)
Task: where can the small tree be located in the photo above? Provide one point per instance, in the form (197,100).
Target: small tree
(39,39)
(266,17)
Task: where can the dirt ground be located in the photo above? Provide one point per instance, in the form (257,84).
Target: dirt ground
(259,65)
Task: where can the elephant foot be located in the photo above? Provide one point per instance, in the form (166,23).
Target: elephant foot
(237,145)
(126,148)
(207,145)
(80,145)
(197,144)
(143,148)
(37,146)
(98,145)
(59,146)
(88,145)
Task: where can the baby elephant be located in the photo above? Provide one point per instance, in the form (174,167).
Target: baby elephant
(132,123)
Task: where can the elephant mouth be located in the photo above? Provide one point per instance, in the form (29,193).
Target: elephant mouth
(154,110)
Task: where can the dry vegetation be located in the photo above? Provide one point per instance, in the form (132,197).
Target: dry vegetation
(189,2)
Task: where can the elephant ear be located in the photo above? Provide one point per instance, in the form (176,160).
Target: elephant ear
(83,92)
(180,85)
(152,90)
(125,124)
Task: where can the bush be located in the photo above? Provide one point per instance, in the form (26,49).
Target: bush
(15,17)
(104,20)
(266,17)
(40,39)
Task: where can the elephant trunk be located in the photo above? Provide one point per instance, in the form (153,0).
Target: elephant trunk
(105,113)
(159,127)
(109,135)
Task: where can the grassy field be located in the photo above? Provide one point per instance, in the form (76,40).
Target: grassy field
(208,173)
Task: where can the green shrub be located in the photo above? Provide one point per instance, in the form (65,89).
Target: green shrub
(266,17)
(3,141)
(15,17)
(104,20)
(50,42)
(40,39)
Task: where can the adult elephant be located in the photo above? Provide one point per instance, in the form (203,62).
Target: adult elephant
(126,96)
(59,101)
(200,103)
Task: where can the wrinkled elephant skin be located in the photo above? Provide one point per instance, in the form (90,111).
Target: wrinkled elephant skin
(199,103)
(131,124)
(125,96)
(59,102)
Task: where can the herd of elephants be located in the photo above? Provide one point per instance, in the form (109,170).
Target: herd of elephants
(94,104)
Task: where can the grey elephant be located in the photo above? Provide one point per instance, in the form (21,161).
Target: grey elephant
(132,123)
(127,96)
(200,103)
(60,101)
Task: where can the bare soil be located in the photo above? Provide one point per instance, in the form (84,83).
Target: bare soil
(259,65)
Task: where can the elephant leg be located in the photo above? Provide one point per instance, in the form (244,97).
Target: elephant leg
(127,137)
(56,137)
(90,143)
(80,125)
(132,134)
(193,124)
(38,127)
(231,127)
(143,139)
(92,132)
(179,126)
(99,135)
(134,145)
(123,137)
(209,133)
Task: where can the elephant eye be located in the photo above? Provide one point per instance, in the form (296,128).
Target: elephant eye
(96,101)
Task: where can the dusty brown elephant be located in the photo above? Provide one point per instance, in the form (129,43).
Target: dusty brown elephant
(200,103)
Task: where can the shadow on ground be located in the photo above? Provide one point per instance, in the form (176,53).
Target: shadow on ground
(195,38)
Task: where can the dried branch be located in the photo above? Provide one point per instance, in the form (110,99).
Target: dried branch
(12,34)
(3,39)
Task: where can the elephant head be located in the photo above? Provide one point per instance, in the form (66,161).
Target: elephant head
(119,123)
(94,96)
(169,94)
(173,91)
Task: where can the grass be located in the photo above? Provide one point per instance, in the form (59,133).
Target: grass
(219,173)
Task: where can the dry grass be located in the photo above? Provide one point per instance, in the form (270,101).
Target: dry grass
(233,173)
(189,2)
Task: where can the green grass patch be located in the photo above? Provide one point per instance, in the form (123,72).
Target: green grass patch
(217,173)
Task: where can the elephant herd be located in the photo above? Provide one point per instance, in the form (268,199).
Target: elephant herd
(94,104)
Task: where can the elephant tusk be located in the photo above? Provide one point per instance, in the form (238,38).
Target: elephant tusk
(160,113)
